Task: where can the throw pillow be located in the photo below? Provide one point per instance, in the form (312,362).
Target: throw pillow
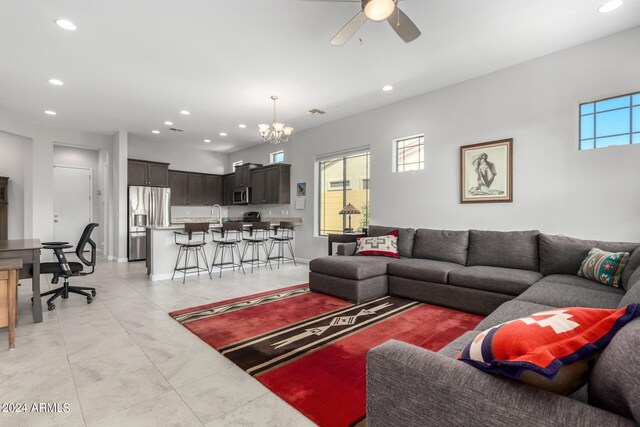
(604,267)
(379,245)
(553,350)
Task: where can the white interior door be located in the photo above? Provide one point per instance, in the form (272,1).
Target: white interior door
(72,204)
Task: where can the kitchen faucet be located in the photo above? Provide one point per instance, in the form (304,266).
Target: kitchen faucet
(219,212)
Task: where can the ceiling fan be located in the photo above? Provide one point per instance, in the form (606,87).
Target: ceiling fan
(378,10)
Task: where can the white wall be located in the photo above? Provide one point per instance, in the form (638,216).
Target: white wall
(12,148)
(85,158)
(557,188)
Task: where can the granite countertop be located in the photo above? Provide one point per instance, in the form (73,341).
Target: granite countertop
(177,223)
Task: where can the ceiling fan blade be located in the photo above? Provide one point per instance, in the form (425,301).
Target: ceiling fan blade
(349,29)
(403,26)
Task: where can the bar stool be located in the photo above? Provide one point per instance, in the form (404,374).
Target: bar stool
(283,239)
(231,236)
(258,238)
(195,242)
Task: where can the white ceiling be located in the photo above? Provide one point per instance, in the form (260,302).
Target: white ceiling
(131,65)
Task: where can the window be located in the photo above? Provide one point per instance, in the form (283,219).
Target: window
(609,122)
(343,179)
(277,157)
(409,154)
(236,164)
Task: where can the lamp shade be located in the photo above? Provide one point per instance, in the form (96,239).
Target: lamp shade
(349,210)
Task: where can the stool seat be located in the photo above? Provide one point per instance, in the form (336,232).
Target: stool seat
(195,234)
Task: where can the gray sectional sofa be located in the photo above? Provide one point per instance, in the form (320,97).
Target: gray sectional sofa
(504,275)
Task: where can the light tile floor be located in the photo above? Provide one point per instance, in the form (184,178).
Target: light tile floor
(123,361)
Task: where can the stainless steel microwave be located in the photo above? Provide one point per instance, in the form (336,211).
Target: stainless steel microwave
(242,197)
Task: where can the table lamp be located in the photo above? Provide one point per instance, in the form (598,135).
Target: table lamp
(349,210)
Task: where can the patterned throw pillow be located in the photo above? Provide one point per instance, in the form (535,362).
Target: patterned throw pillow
(604,267)
(553,350)
(379,245)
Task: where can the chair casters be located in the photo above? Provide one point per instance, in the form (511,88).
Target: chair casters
(55,280)
(51,306)
(89,300)
(93,293)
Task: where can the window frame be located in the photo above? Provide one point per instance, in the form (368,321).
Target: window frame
(274,154)
(594,139)
(342,157)
(396,167)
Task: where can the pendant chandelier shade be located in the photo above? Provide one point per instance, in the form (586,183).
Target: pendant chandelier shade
(276,132)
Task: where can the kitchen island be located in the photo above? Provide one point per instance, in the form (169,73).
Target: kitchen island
(162,250)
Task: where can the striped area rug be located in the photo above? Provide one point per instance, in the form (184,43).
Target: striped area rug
(310,348)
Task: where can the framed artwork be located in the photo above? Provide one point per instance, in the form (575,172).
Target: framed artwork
(486,172)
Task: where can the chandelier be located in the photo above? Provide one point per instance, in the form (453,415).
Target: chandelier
(276,132)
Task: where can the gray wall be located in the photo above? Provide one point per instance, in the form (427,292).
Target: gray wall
(557,188)
(12,159)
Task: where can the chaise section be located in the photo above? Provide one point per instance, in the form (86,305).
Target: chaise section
(511,310)
(422,269)
(354,278)
(508,281)
(466,299)
(563,290)
(455,347)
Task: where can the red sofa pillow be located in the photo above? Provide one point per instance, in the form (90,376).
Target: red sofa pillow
(379,245)
(553,349)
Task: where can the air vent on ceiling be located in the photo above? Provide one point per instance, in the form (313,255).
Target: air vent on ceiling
(176,130)
(315,112)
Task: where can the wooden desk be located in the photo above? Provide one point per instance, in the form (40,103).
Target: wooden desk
(343,238)
(29,251)
(9,296)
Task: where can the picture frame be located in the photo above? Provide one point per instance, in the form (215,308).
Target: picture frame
(486,172)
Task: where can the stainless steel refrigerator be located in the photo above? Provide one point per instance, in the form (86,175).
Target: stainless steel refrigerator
(148,207)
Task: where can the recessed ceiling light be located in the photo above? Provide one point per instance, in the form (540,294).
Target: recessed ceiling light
(56,82)
(610,6)
(184,112)
(222,134)
(50,112)
(387,88)
(66,24)
(155,131)
(168,123)
(207,140)
(242,126)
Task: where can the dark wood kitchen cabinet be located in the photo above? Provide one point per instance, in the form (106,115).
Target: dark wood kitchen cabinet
(179,184)
(196,189)
(271,184)
(228,186)
(213,190)
(146,173)
(243,174)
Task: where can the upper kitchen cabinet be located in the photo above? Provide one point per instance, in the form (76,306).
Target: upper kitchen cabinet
(179,184)
(243,174)
(213,190)
(145,173)
(271,184)
(228,185)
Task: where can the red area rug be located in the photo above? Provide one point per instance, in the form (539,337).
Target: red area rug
(310,349)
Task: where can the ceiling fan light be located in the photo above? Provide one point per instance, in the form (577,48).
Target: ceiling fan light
(379,10)
(263,128)
(288,130)
(278,126)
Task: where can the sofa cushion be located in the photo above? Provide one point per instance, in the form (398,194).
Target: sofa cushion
(632,266)
(553,349)
(441,245)
(422,269)
(511,310)
(495,279)
(564,255)
(405,237)
(563,290)
(614,384)
(604,267)
(633,292)
(350,267)
(509,249)
(454,348)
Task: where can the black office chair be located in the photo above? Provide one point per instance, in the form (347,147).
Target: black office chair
(66,269)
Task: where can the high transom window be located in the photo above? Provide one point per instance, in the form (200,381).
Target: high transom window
(609,122)
(409,154)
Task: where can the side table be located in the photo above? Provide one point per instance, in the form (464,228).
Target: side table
(342,238)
